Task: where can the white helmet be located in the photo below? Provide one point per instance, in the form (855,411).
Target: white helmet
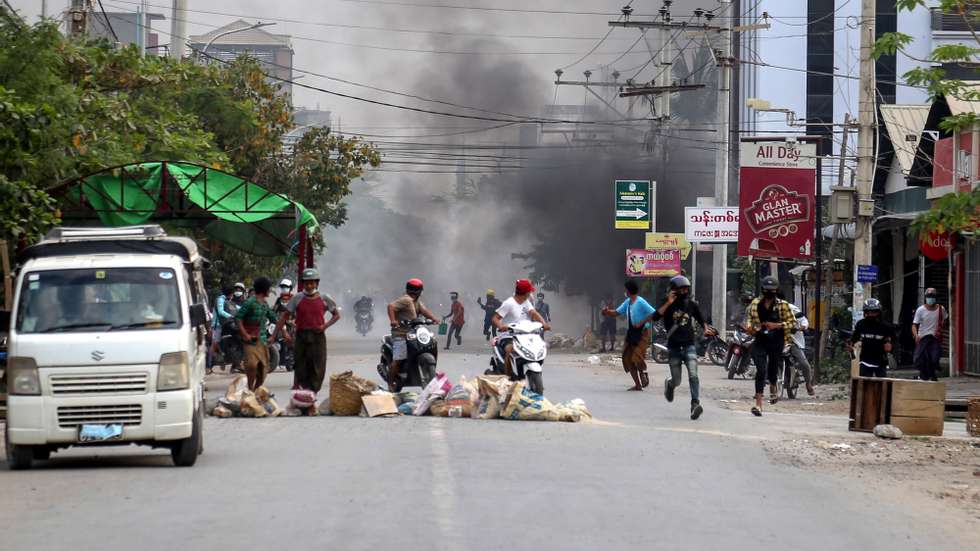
(286,282)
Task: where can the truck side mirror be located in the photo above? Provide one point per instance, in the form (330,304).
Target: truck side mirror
(4,320)
(199,315)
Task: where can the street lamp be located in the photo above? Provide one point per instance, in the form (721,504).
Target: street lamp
(764,106)
(259,25)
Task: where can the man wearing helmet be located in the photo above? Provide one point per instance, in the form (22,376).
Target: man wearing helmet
(309,310)
(771,321)
(875,336)
(516,308)
(488,310)
(679,312)
(404,309)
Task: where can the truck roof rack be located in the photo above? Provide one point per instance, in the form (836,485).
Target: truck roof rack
(148,231)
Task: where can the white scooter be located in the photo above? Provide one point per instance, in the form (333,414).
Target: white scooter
(530,351)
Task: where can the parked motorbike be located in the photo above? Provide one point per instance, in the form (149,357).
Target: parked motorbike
(792,374)
(738,361)
(529,353)
(658,348)
(714,348)
(363,321)
(423,351)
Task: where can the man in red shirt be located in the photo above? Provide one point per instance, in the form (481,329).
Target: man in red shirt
(309,310)
(458,320)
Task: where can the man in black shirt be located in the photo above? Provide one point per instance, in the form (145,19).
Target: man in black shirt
(875,336)
(679,312)
(489,309)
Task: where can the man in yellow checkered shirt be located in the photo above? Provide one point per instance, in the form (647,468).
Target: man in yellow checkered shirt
(772,323)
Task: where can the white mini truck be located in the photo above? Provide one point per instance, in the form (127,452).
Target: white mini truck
(106,344)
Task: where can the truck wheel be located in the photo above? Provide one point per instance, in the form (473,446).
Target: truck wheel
(42,453)
(536,382)
(19,458)
(184,452)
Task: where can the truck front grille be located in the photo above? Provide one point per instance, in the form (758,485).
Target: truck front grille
(103,383)
(126,414)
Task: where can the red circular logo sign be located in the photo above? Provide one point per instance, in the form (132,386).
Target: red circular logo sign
(936,246)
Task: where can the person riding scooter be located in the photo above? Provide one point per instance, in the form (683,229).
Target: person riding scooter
(406,308)
(514,309)
(364,314)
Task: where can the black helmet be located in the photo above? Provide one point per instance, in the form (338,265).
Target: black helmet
(872,305)
(679,281)
(770,283)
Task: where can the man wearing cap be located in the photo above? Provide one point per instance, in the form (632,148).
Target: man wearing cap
(457,314)
(770,320)
(488,310)
(927,328)
(309,310)
(516,308)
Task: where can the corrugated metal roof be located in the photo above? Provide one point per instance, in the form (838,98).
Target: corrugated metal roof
(905,124)
(959,106)
(248,37)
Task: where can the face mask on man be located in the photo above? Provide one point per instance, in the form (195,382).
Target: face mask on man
(930,300)
(769,294)
(237,294)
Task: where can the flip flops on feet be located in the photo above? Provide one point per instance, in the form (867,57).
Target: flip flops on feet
(756,411)
(635,388)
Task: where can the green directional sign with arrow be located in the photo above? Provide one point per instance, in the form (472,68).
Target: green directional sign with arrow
(633,204)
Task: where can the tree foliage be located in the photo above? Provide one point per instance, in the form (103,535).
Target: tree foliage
(69,108)
(956,212)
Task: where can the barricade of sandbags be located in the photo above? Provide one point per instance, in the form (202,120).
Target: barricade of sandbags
(238,401)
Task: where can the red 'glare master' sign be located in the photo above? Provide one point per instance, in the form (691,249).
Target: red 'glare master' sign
(777,181)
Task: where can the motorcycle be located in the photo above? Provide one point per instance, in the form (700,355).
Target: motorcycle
(529,353)
(714,348)
(738,361)
(658,348)
(419,367)
(363,321)
(792,374)
(280,351)
(231,347)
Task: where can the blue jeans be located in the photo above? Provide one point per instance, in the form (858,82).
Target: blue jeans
(688,355)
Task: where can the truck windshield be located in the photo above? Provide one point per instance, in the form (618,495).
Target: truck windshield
(98,299)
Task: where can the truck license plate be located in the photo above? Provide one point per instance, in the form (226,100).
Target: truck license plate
(99,433)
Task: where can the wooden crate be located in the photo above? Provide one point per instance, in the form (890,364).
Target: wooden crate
(916,407)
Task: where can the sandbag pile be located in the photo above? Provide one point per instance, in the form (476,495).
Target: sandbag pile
(238,401)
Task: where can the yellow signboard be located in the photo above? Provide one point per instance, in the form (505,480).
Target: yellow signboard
(659,241)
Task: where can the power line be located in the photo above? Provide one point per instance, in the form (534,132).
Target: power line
(373,27)
(108,23)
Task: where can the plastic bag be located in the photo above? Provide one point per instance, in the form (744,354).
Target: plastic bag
(573,411)
(251,406)
(221,411)
(439,408)
(237,386)
(303,398)
(526,405)
(437,388)
(489,408)
(406,408)
(460,397)
(498,386)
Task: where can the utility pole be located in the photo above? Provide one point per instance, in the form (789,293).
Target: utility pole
(78,18)
(865,151)
(723,56)
(178,29)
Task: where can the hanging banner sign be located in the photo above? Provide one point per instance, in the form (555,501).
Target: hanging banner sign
(777,185)
(711,224)
(661,240)
(659,263)
(634,204)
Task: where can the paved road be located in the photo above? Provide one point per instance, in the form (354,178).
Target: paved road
(643,475)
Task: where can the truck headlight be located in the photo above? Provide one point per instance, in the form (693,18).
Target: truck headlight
(22,376)
(173,373)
